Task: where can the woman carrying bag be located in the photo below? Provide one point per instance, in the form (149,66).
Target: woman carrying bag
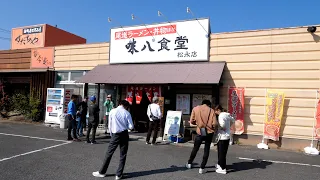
(223,138)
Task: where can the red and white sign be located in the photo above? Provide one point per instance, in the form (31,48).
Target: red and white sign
(165,42)
(151,91)
(236,108)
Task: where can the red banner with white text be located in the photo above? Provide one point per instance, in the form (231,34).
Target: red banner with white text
(236,108)
(317,126)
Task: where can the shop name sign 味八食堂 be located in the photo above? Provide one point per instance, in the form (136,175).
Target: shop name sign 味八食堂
(32,30)
(166,42)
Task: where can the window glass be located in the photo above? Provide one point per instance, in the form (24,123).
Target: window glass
(75,76)
(63,76)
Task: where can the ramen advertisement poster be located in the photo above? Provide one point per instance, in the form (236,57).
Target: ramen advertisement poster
(236,108)
(274,112)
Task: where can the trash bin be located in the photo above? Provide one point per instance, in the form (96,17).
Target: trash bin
(62,121)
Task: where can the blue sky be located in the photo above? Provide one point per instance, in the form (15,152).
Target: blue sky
(88,18)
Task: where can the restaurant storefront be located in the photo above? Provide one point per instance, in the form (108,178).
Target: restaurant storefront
(285,60)
(163,60)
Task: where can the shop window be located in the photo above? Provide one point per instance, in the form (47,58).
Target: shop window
(77,89)
(63,76)
(75,76)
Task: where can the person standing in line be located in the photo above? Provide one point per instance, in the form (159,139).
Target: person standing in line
(225,122)
(120,121)
(109,106)
(93,119)
(204,117)
(154,114)
(72,112)
(83,110)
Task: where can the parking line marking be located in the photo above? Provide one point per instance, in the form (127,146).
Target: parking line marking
(280,162)
(32,137)
(42,149)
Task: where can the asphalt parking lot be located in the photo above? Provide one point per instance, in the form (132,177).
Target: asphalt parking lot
(38,152)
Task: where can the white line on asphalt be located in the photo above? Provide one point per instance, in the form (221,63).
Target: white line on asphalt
(279,162)
(4,159)
(17,135)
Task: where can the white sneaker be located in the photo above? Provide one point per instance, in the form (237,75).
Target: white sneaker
(217,166)
(221,171)
(189,166)
(118,177)
(97,174)
(202,171)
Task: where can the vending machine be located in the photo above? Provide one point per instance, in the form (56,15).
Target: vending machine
(57,104)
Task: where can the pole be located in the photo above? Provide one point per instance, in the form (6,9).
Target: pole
(315,111)
(265,108)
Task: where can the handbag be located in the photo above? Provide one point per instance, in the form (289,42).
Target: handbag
(154,118)
(203,130)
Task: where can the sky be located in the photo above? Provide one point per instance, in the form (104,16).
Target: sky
(89,18)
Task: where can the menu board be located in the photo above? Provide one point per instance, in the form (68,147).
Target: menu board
(161,104)
(183,103)
(198,98)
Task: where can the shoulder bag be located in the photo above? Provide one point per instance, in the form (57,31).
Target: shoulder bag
(154,118)
(203,131)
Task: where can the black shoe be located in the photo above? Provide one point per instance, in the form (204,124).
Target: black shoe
(148,142)
(93,142)
(88,141)
(69,139)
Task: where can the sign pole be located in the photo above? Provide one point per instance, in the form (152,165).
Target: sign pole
(262,145)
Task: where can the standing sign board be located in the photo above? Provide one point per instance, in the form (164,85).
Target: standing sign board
(165,42)
(173,120)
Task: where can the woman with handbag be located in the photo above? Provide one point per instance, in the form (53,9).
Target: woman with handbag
(225,121)
(154,114)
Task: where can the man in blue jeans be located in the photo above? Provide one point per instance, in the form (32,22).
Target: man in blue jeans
(72,112)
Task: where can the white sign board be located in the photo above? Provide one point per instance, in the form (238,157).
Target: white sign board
(173,121)
(166,42)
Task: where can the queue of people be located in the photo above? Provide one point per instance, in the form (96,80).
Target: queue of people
(212,124)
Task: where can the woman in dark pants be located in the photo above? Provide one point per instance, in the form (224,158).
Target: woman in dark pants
(225,121)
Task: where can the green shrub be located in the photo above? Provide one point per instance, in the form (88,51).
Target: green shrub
(29,106)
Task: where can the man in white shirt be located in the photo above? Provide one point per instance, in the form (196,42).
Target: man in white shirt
(154,114)
(120,121)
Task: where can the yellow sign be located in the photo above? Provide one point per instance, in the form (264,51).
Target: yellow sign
(274,113)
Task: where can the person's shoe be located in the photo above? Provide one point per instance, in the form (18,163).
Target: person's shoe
(88,141)
(221,171)
(106,132)
(97,174)
(76,140)
(93,142)
(118,177)
(69,139)
(217,166)
(202,171)
(148,143)
(189,166)
(152,144)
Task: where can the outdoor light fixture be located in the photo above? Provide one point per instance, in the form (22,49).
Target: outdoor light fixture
(312,29)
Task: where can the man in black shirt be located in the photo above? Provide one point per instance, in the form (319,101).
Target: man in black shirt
(93,119)
(83,110)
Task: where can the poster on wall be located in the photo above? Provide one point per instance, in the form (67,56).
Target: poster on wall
(198,98)
(164,42)
(274,112)
(236,108)
(173,120)
(138,93)
(183,103)
(148,90)
(130,91)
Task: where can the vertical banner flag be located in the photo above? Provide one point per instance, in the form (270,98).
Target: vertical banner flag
(236,108)
(274,112)
(317,126)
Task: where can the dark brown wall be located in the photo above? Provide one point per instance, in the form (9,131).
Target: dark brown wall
(56,37)
(15,59)
(40,82)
